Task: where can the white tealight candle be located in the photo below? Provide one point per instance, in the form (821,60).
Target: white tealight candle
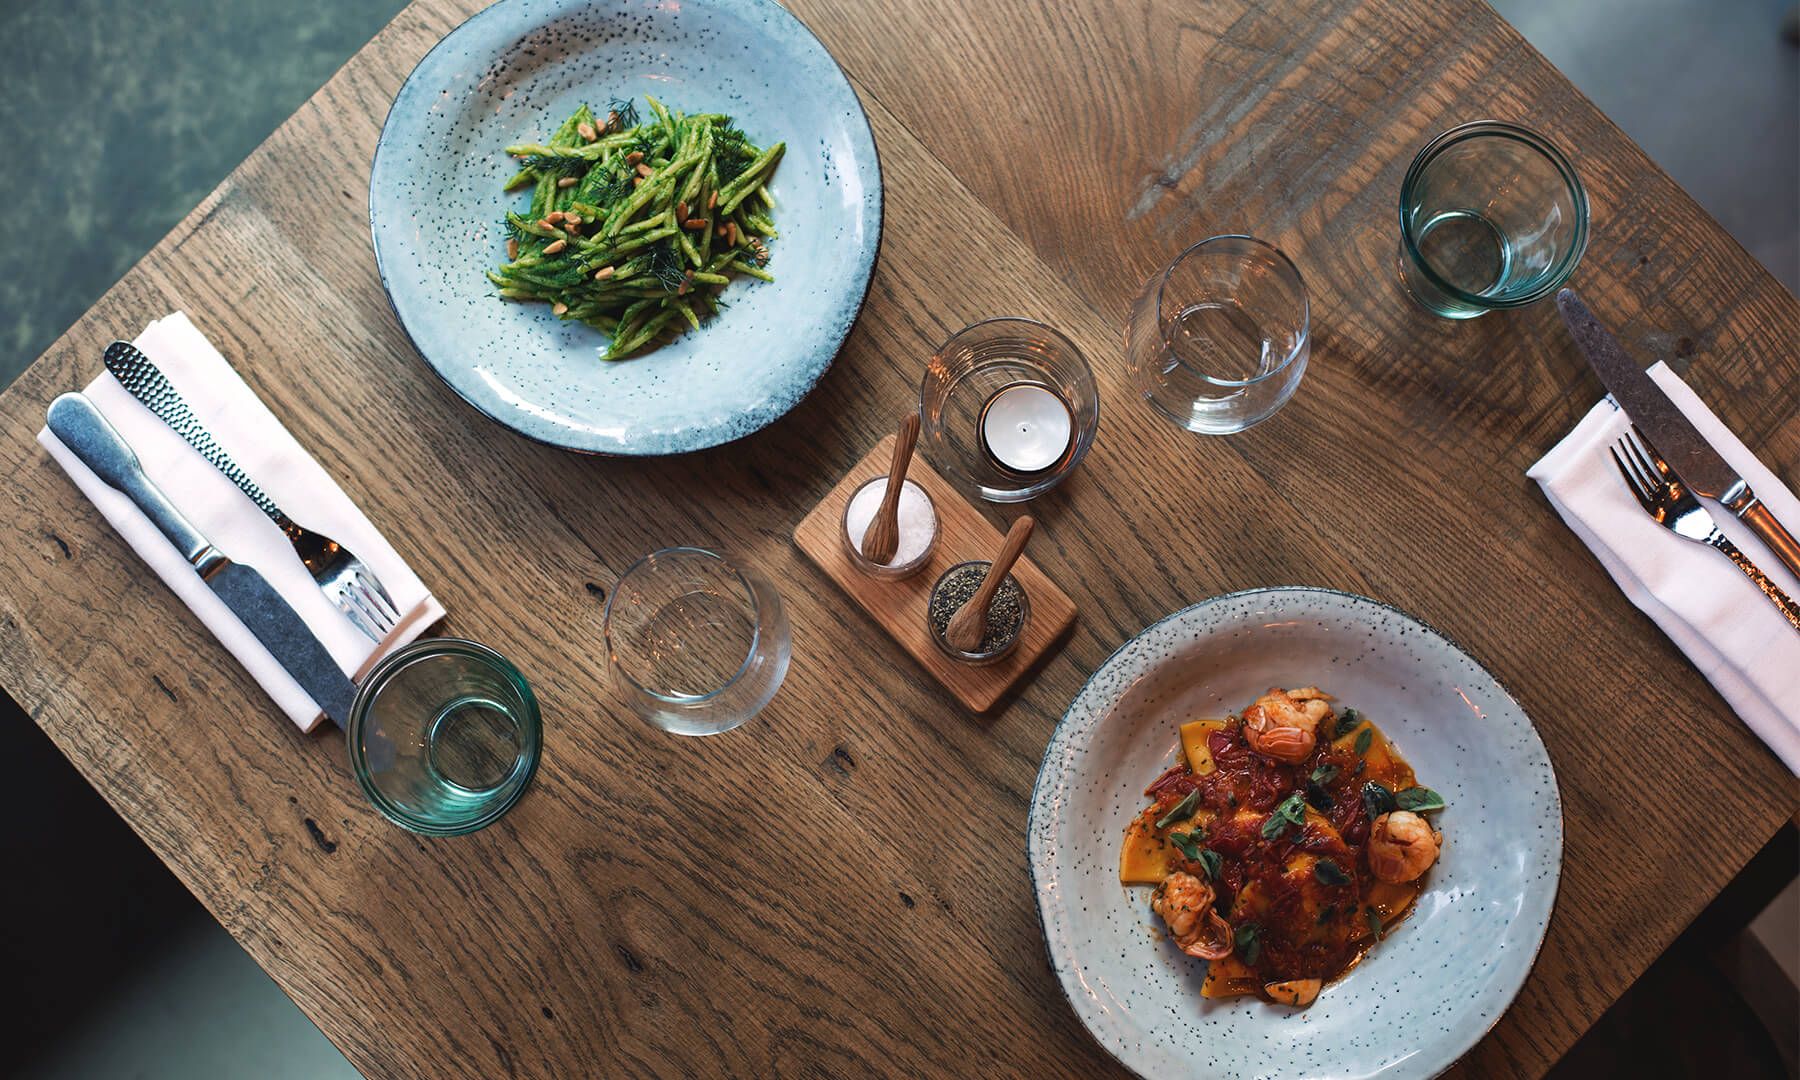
(1027,427)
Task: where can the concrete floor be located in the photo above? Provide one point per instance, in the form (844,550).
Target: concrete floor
(121,117)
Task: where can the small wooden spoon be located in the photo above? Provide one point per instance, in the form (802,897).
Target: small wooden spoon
(883,537)
(969,625)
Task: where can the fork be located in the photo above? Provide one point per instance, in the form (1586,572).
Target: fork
(343,577)
(1666,499)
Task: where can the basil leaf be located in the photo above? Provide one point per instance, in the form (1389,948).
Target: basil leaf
(1210,860)
(1360,766)
(1330,873)
(1186,843)
(1363,741)
(1291,812)
(1183,810)
(1374,920)
(1325,774)
(1377,799)
(1320,799)
(1419,800)
(1248,942)
(1346,723)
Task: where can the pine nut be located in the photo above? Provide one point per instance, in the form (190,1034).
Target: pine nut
(643,169)
(571,219)
(587,131)
(559,308)
(681,210)
(634,157)
(512,250)
(555,246)
(720,231)
(568,181)
(731,234)
(604,272)
(612,119)
(637,181)
(713,199)
(694,223)
(555,217)
(544,223)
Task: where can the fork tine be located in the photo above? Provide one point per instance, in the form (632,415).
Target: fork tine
(354,613)
(1651,476)
(383,616)
(352,595)
(384,604)
(1633,482)
(1647,450)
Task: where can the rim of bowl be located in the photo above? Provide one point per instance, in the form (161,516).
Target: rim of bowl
(1474,129)
(756,608)
(389,665)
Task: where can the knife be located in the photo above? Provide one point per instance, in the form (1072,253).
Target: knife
(1689,456)
(75,420)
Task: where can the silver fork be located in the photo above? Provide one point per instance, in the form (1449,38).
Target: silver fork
(343,577)
(1665,498)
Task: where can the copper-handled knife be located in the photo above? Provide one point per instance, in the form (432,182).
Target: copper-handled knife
(1688,454)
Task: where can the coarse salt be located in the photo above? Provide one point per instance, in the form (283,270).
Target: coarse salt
(917,519)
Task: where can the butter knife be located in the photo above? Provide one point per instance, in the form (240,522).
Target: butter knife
(1689,456)
(74,419)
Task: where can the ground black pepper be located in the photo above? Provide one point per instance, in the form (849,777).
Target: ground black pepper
(1006,614)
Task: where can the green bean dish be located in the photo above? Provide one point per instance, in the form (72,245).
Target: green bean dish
(636,228)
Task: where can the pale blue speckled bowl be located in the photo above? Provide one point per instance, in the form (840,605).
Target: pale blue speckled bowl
(1445,973)
(514,72)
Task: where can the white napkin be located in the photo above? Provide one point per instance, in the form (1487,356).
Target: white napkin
(1709,609)
(255,439)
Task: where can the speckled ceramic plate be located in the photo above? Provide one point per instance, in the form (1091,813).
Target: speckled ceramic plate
(514,72)
(1426,993)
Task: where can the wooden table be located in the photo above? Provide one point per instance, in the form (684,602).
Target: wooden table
(839,888)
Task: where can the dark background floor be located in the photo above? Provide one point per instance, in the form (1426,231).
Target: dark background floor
(120,117)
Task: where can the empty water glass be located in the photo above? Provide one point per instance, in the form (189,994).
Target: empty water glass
(698,643)
(1491,216)
(1218,341)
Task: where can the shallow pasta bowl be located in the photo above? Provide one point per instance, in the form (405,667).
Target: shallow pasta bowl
(515,71)
(1441,977)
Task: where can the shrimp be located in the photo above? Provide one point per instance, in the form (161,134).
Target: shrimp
(1280,726)
(1402,846)
(1186,904)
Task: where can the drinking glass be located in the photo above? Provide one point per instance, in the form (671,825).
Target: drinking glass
(999,363)
(1491,216)
(1218,341)
(444,736)
(698,643)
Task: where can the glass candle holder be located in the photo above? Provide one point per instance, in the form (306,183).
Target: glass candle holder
(444,736)
(698,643)
(1491,216)
(1008,613)
(918,521)
(1218,341)
(1008,407)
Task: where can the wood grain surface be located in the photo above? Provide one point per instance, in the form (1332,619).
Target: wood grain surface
(898,607)
(839,887)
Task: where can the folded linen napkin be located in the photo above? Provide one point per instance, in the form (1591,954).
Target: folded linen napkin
(1706,606)
(257,441)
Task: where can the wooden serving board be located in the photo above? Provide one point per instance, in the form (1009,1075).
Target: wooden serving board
(899,606)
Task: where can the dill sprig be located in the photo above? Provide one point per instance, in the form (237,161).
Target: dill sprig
(734,152)
(667,265)
(515,231)
(611,186)
(621,114)
(559,165)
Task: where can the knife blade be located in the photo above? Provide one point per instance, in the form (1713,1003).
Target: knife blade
(74,419)
(1689,455)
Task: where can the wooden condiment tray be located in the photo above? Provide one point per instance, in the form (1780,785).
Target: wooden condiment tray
(899,606)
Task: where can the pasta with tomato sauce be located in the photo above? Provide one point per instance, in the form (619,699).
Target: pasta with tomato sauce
(1286,842)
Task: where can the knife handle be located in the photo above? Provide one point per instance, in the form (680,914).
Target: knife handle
(74,419)
(1771,533)
(1789,609)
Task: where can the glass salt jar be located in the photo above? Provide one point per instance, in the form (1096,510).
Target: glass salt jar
(918,529)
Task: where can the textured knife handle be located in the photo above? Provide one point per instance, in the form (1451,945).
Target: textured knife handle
(148,384)
(1773,591)
(74,420)
(1771,532)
